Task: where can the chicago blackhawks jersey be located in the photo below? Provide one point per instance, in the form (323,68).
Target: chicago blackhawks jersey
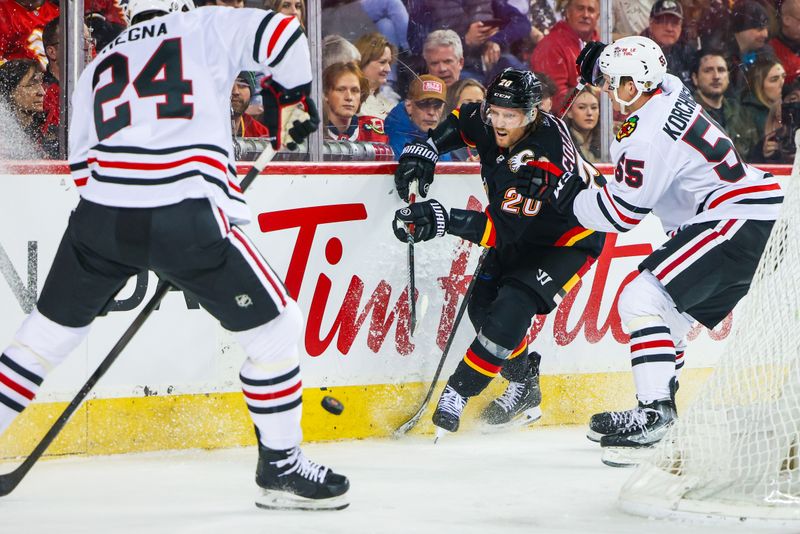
(152,120)
(673,160)
(510,220)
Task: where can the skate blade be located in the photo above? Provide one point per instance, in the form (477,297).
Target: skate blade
(591,435)
(528,417)
(440,432)
(283,500)
(625,456)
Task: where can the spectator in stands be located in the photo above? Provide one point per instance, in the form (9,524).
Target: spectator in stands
(787,43)
(296,8)
(666,19)
(344,89)
(421,111)
(790,121)
(390,18)
(444,56)
(631,17)
(460,93)
(763,104)
(105,20)
(548,91)
(583,119)
(337,49)
(710,75)
(377,57)
(347,18)
(488,27)
(242,124)
(555,55)
(543,15)
(22,93)
(749,25)
(21,25)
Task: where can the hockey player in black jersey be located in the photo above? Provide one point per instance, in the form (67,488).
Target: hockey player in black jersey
(537,254)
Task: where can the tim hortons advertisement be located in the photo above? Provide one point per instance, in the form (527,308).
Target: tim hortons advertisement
(327,230)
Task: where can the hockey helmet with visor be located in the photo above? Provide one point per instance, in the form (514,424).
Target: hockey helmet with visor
(636,57)
(514,89)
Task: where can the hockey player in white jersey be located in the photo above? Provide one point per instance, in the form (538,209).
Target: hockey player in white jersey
(670,159)
(152,158)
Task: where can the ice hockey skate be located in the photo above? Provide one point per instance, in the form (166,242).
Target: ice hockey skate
(290,481)
(517,406)
(448,412)
(607,423)
(647,426)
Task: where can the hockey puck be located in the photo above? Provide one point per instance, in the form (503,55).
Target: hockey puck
(332,405)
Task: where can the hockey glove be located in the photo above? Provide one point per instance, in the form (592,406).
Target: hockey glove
(588,68)
(546,182)
(417,162)
(429,220)
(289,114)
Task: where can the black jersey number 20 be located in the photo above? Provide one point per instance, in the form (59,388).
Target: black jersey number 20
(167,59)
(715,153)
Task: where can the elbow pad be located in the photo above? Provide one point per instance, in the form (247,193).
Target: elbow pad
(447,136)
(471,225)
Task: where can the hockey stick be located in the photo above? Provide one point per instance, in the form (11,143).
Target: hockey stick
(571,99)
(413,189)
(411,423)
(9,481)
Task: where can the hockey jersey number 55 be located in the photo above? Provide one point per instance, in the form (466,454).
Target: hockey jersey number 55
(674,160)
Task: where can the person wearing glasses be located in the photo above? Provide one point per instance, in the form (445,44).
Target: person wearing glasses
(22,97)
(421,111)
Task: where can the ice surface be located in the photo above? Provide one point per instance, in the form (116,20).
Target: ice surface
(542,480)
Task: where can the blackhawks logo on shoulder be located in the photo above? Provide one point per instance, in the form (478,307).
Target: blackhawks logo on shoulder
(627,128)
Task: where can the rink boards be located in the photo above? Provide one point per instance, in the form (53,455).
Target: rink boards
(326,229)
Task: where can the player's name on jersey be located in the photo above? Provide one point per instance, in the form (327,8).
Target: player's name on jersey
(680,114)
(135,33)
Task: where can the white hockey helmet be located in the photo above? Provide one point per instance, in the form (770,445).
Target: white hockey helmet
(137,7)
(637,57)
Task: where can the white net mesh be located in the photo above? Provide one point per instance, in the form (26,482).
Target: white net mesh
(736,451)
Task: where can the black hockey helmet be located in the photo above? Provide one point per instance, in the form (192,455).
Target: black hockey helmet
(513,88)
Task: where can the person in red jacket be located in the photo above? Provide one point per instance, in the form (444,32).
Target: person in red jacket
(787,43)
(556,53)
(243,124)
(21,24)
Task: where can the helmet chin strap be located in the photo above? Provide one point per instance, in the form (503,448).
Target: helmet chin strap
(626,103)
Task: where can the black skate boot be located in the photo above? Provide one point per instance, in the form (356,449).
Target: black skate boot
(448,411)
(648,424)
(607,423)
(517,406)
(290,481)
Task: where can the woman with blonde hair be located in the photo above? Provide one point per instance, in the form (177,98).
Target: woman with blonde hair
(464,92)
(344,89)
(763,102)
(377,57)
(583,119)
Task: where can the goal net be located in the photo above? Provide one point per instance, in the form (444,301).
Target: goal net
(735,452)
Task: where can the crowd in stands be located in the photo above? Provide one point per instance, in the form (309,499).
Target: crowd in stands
(392,69)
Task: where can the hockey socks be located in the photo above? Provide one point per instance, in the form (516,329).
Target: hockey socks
(18,386)
(652,360)
(481,364)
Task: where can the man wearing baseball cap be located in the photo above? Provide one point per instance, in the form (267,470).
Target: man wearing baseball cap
(421,111)
(666,20)
(244,125)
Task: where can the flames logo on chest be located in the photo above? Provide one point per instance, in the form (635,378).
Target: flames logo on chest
(520,159)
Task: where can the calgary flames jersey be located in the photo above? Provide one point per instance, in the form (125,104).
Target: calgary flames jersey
(152,125)
(673,160)
(21,30)
(511,220)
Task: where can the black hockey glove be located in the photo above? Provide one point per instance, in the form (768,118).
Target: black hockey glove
(289,114)
(588,69)
(425,220)
(546,182)
(417,162)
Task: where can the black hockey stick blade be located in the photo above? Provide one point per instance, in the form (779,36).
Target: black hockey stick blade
(9,481)
(412,422)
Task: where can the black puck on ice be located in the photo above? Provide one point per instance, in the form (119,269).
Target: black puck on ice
(332,405)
